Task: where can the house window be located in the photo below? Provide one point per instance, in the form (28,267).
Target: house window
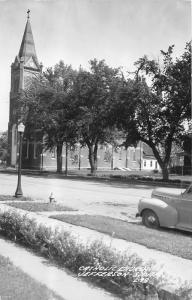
(144,163)
(151,163)
(156,165)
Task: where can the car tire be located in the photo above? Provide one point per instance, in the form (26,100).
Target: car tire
(150,219)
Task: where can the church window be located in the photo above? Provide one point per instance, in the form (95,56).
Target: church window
(120,154)
(151,163)
(53,153)
(107,155)
(134,154)
(27,149)
(34,150)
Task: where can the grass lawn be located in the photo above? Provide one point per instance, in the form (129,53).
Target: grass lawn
(14,284)
(170,241)
(13,198)
(40,206)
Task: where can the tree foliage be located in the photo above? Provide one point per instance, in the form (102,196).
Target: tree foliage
(3,146)
(93,93)
(88,106)
(50,110)
(155,113)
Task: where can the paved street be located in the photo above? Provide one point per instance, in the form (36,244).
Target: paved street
(107,198)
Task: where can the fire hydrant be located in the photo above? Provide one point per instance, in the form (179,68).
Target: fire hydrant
(51,198)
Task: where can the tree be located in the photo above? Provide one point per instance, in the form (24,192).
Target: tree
(187,147)
(155,114)
(93,93)
(47,107)
(3,146)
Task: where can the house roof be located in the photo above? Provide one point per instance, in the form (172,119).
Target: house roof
(147,152)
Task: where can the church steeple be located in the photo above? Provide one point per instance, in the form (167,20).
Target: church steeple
(27,49)
(23,70)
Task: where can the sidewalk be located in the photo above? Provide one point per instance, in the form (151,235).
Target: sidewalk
(179,270)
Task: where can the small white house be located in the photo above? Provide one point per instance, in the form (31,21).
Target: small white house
(148,160)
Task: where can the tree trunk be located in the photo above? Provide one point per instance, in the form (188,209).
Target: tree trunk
(59,158)
(92,160)
(163,166)
(165,172)
(162,163)
(112,158)
(66,159)
(95,155)
(79,161)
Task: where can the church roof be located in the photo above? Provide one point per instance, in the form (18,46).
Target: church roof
(27,48)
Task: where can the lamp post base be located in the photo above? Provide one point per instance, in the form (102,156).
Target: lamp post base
(18,194)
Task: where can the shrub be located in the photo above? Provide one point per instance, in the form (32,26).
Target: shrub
(133,275)
(155,171)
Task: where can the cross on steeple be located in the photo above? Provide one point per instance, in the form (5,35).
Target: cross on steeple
(28,12)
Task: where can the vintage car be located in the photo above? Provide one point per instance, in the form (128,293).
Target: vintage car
(171,209)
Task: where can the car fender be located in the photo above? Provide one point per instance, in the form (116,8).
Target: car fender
(166,214)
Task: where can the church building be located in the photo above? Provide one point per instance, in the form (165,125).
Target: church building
(23,69)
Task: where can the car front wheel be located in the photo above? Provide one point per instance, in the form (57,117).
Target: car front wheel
(150,219)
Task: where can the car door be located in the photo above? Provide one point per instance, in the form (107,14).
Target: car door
(184,208)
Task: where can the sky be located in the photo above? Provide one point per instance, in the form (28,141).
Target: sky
(75,31)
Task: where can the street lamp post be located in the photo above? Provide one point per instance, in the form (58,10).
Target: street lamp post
(140,161)
(19,192)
